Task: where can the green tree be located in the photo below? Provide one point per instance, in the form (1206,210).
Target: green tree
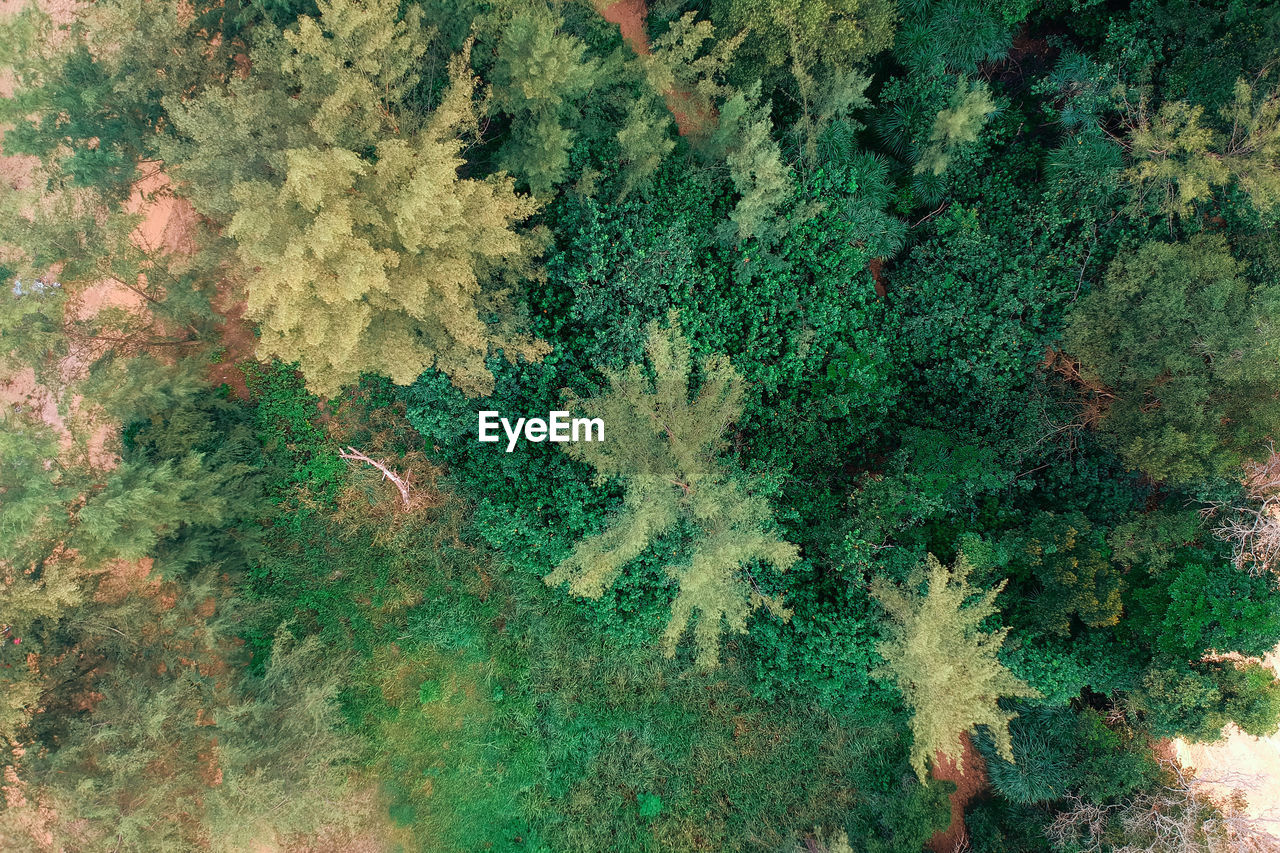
(665,445)
(90,97)
(688,65)
(762,179)
(945,663)
(1196,702)
(387,265)
(645,141)
(836,34)
(538,73)
(957,125)
(1069,559)
(1185,344)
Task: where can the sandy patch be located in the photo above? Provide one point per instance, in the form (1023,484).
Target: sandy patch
(1240,762)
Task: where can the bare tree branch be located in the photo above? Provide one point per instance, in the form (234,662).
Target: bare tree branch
(353,455)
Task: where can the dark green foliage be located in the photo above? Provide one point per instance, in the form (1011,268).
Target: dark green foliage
(976,305)
(1179,335)
(953,35)
(1067,565)
(1197,702)
(1060,751)
(989,280)
(997,826)
(80,108)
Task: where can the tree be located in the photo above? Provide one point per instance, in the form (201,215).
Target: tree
(945,664)
(1252,526)
(1197,702)
(90,96)
(176,747)
(762,179)
(1070,561)
(386,265)
(665,446)
(1185,342)
(363,249)
(356,62)
(538,72)
(692,83)
(955,126)
(645,141)
(1183,158)
(836,34)
(1177,816)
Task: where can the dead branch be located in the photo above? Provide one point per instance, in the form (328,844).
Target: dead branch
(1254,528)
(1180,816)
(353,455)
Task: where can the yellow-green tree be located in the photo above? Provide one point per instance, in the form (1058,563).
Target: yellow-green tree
(1180,156)
(664,443)
(385,265)
(833,33)
(945,663)
(362,248)
(760,176)
(956,126)
(1070,561)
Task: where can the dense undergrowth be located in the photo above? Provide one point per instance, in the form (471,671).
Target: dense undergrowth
(936,348)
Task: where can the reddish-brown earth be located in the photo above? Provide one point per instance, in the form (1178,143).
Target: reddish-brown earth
(969,784)
(631,16)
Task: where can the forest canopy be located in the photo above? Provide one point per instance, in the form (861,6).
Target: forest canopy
(935,347)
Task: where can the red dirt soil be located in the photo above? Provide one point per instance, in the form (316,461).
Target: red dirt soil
(238,342)
(630,16)
(969,784)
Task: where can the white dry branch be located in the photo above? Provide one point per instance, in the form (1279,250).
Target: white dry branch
(1181,816)
(1253,530)
(351,454)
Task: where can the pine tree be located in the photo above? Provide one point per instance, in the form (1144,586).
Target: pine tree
(386,266)
(664,445)
(755,163)
(645,141)
(956,126)
(363,249)
(687,64)
(944,663)
(90,97)
(357,61)
(539,71)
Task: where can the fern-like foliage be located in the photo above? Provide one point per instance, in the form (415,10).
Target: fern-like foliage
(664,442)
(945,663)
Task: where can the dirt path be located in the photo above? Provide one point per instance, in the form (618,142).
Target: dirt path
(631,17)
(969,785)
